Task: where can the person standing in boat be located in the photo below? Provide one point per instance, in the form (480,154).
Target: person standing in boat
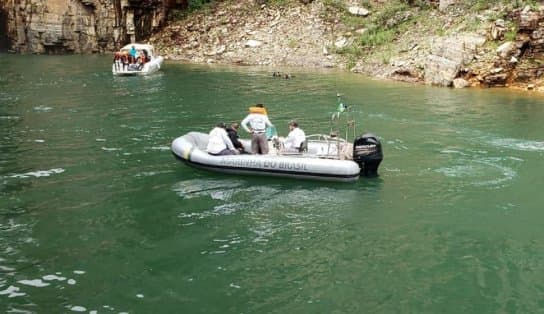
(295,139)
(133,54)
(219,142)
(232,131)
(258,121)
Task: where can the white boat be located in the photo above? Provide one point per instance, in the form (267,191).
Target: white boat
(123,65)
(322,158)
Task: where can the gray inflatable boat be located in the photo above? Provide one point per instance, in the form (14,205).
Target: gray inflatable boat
(323,158)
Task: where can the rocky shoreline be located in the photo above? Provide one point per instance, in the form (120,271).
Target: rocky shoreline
(449,43)
(243,32)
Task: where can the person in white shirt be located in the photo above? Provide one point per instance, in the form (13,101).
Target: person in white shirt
(219,142)
(294,140)
(257,127)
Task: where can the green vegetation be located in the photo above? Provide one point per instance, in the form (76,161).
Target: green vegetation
(471,25)
(279,3)
(377,37)
(192,6)
(379,31)
(351,50)
(481,5)
(293,43)
(198,4)
(351,62)
(385,56)
(478,5)
(384,25)
(522,3)
(175,15)
(512,32)
(336,4)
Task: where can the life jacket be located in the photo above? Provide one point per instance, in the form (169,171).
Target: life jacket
(258,110)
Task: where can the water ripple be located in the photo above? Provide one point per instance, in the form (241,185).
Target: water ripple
(37,174)
(478,170)
(518,144)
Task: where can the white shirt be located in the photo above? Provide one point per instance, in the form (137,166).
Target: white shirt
(294,139)
(219,140)
(257,121)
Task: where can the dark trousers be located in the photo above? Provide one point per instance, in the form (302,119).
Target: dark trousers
(225,151)
(259,143)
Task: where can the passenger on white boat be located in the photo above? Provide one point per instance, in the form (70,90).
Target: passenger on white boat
(125,60)
(258,121)
(294,140)
(219,142)
(117,60)
(133,52)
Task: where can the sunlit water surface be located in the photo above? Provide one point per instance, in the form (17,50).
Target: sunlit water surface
(97,216)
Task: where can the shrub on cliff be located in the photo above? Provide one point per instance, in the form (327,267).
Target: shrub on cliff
(197,4)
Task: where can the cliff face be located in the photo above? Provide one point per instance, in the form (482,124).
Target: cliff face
(446,43)
(78,26)
(3,29)
(526,60)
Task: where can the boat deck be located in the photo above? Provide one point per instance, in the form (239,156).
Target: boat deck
(318,146)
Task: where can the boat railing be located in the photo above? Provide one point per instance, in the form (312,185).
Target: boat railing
(322,146)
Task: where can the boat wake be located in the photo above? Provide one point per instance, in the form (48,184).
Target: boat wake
(517,144)
(224,197)
(199,188)
(479,171)
(37,174)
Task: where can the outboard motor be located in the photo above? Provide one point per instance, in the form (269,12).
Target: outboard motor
(367,152)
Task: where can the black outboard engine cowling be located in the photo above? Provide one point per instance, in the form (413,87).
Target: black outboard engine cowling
(367,152)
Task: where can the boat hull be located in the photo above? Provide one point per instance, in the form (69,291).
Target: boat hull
(190,149)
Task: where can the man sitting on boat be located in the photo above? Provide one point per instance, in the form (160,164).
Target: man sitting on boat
(258,121)
(232,131)
(219,142)
(294,141)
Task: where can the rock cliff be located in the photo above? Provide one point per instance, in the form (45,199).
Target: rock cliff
(439,42)
(487,58)
(448,44)
(244,32)
(78,26)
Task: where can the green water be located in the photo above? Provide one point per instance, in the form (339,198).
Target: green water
(97,216)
